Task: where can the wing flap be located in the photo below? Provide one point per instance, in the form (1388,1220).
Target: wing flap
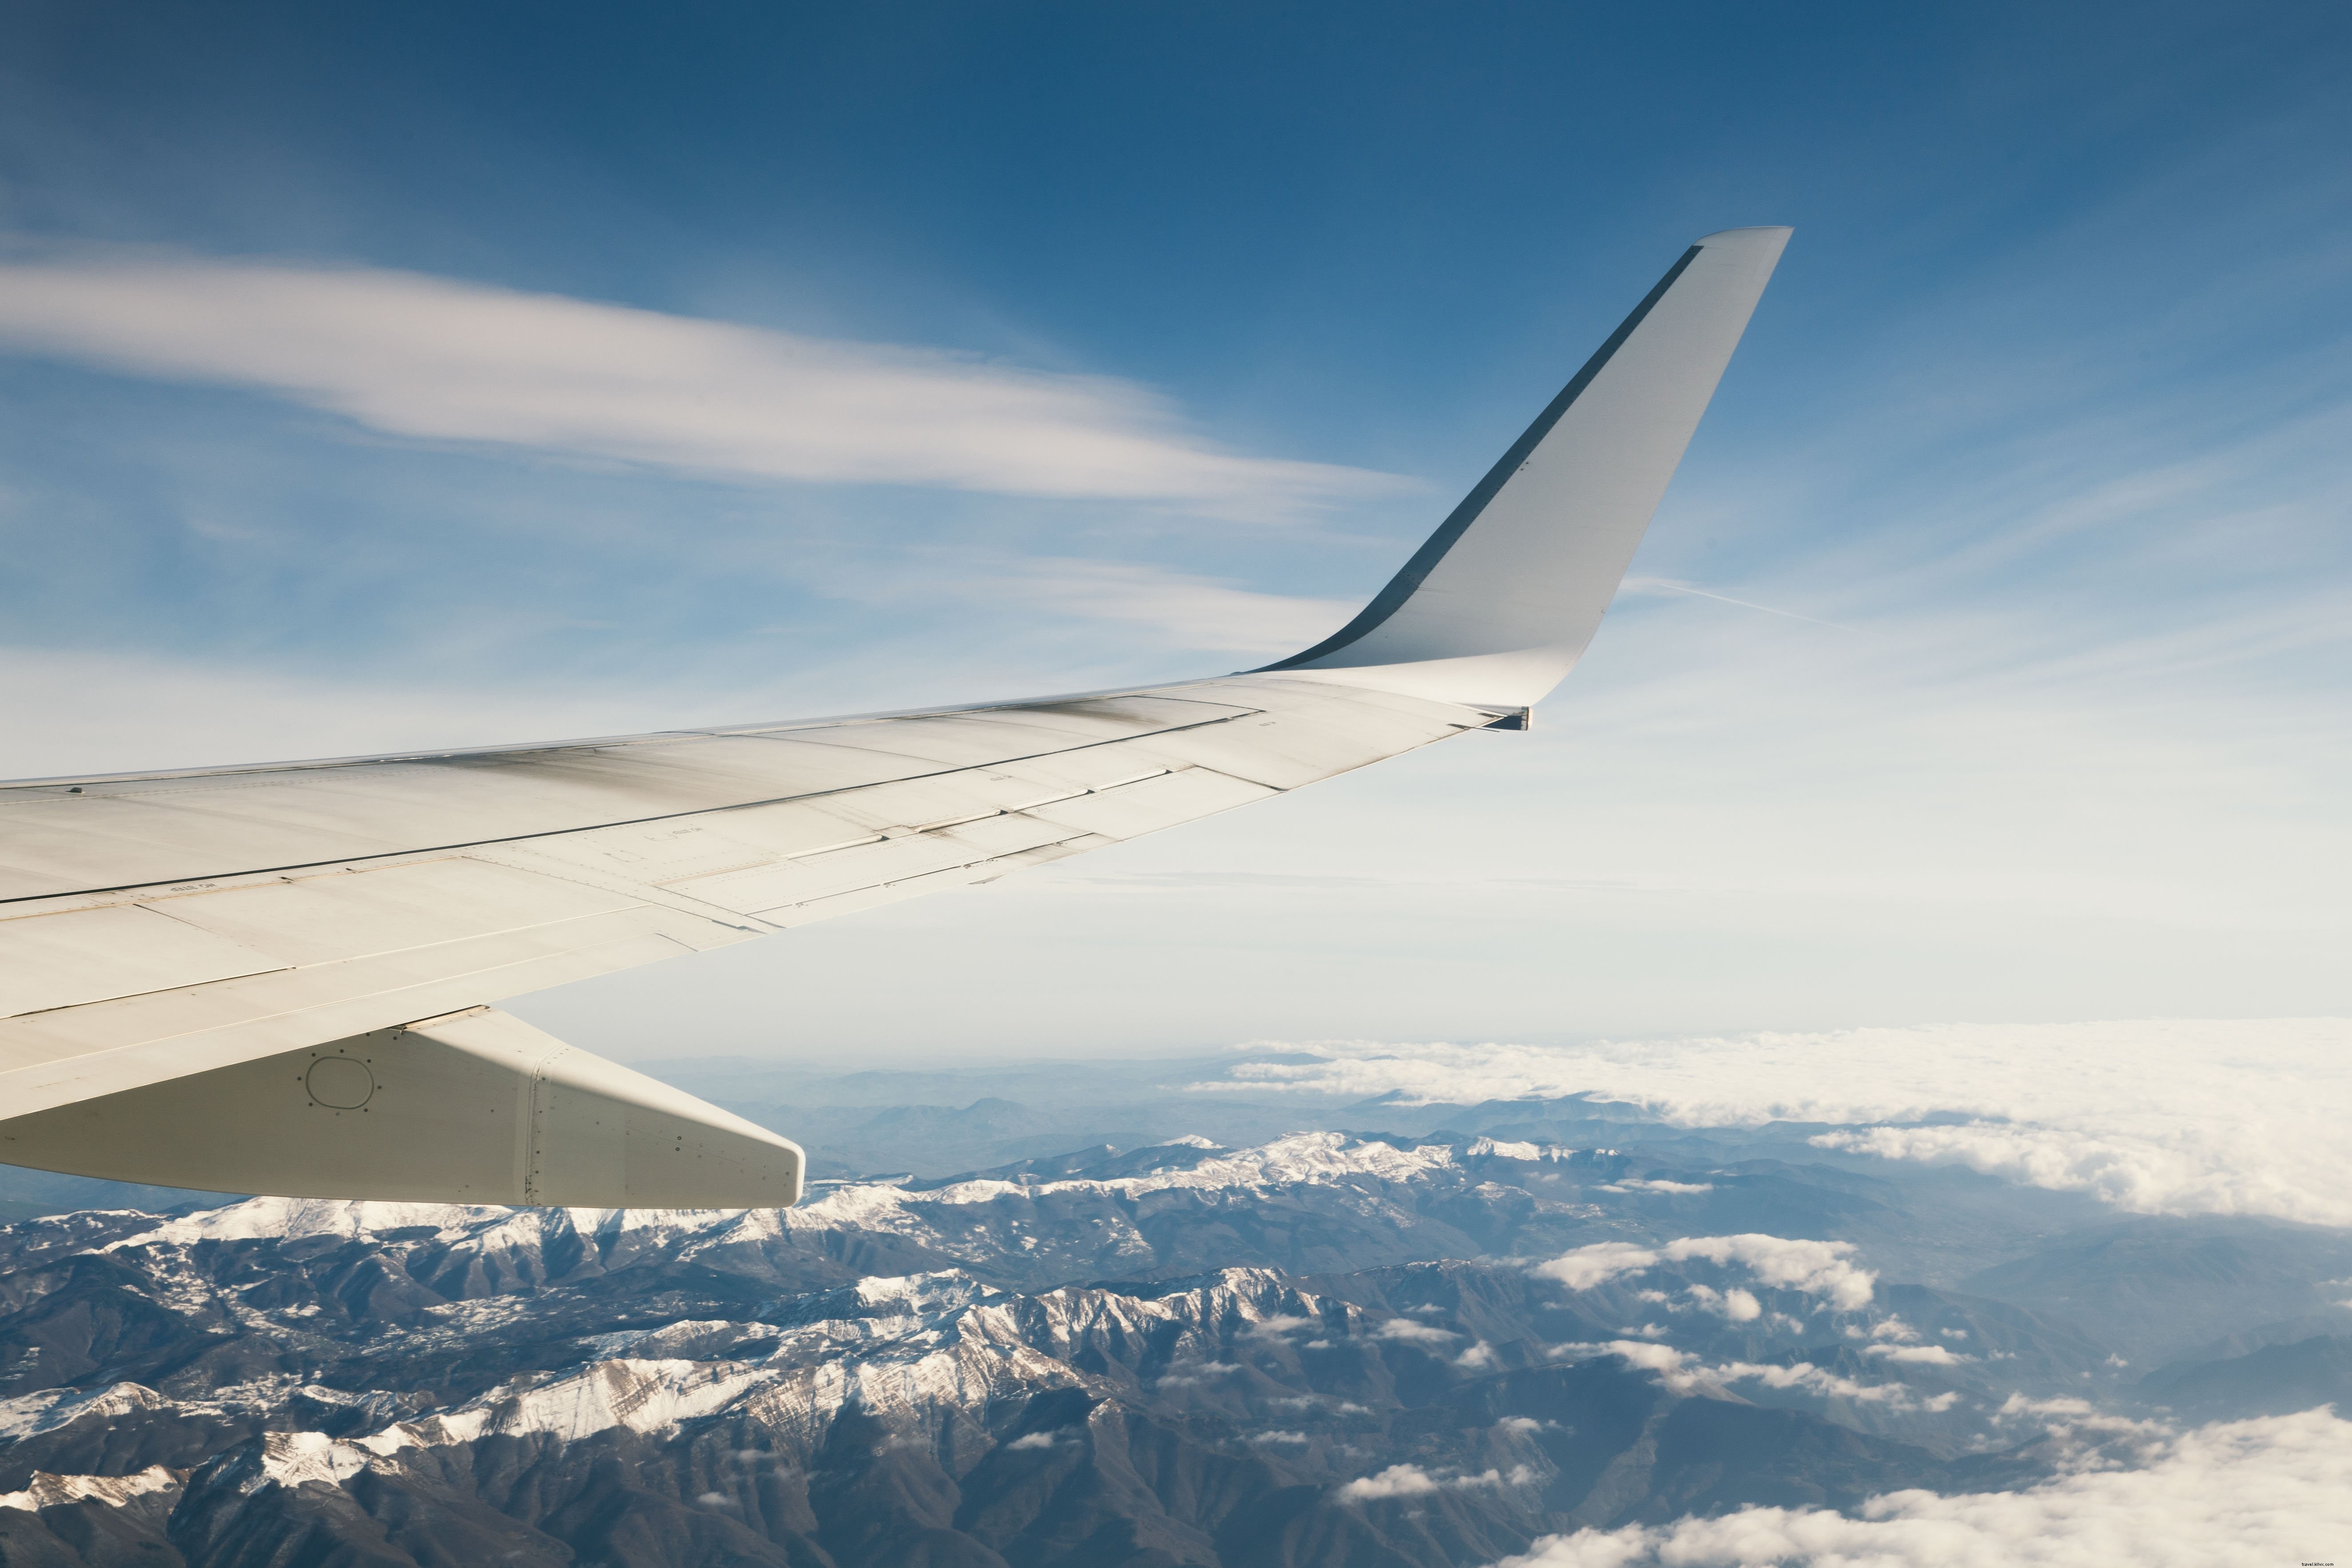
(788,916)
(816,877)
(87,955)
(480,1108)
(145,833)
(49,1058)
(1152,803)
(322,920)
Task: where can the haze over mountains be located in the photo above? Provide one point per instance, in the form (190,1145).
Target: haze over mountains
(1077,1314)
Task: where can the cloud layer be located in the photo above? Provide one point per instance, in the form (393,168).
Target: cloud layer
(442,359)
(1411,1480)
(2251,1492)
(1816,1268)
(2154,1117)
(1680,1369)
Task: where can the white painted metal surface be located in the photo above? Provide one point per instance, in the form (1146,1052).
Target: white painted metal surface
(181,940)
(1501,603)
(476,1109)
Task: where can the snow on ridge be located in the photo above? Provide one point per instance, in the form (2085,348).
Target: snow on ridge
(854,1206)
(878,1297)
(660,1224)
(282,1219)
(47,1491)
(939,1288)
(1246,1302)
(609,1346)
(918,1371)
(1296,1158)
(875,1317)
(83,1219)
(939,1342)
(258,1219)
(987,1189)
(30,1414)
(972,1344)
(924,1314)
(641,1395)
(290,1458)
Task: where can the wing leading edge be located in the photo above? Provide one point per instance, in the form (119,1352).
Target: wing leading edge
(173,947)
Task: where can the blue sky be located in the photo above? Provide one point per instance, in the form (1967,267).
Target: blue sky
(2034,460)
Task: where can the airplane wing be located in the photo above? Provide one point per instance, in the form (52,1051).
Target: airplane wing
(280,978)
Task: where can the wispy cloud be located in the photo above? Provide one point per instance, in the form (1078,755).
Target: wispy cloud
(1194,612)
(1158,608)
(1681,1371)
(443,359)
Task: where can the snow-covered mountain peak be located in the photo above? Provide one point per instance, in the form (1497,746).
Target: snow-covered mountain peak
(284,1219)
(30,1414)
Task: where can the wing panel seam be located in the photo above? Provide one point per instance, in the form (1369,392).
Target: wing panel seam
(629,822)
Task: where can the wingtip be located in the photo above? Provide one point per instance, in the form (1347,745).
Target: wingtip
(1772,234)
(1502,618)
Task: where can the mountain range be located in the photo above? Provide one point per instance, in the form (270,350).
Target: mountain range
(1370,1346)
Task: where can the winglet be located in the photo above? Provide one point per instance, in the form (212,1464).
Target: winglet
(1500,602)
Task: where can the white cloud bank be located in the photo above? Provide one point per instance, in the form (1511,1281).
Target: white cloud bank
(1816,1268)
(2180,1116)
(2250,1493)
(438,358)
(1411,1480)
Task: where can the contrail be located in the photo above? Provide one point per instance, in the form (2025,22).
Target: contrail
(1744,604)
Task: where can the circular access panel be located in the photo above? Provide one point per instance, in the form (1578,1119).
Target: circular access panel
(339,1083)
